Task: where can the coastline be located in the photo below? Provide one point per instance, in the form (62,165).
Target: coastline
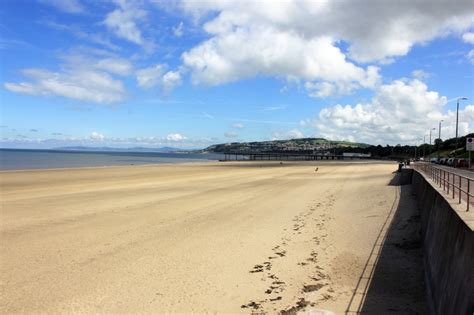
(207,162)
(13,160)
(105,166)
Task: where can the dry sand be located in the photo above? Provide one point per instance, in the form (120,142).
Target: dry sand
(228,237)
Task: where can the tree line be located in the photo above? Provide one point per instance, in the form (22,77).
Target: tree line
(446,148)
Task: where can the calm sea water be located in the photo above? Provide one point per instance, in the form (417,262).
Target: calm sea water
(12,159)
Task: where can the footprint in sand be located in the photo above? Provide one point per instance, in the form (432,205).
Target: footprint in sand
(312,287)
(252,305)
(268,265)
(325,297)
(281,254)
(274,289)
(301,304)
(313,257)
(257,268)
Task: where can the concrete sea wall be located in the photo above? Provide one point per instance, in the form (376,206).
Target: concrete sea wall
(448,249)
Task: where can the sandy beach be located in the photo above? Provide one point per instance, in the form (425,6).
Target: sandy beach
(215,237)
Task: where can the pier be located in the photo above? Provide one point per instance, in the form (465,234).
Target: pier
(247,156)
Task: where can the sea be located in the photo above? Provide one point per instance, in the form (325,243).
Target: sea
(19,159)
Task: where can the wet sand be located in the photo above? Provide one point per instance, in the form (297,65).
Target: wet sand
(215,237)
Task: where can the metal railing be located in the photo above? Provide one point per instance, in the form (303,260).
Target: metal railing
(455,185)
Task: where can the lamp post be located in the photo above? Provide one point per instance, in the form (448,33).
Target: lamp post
(439,136)
(416,147)
(424,148)
(430,139)
(457,120)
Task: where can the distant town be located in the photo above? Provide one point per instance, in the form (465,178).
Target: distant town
(303,145)
(440,149)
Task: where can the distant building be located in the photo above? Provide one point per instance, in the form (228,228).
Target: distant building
(356,155)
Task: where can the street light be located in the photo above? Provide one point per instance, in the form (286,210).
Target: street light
(457,119)
(439,136)
(430,133)
(430,139)
(424,147)
(416,147)
(457,112)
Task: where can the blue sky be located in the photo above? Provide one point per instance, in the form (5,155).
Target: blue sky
(193,73)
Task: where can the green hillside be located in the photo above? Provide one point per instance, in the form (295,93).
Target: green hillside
(303,145)
(445,148)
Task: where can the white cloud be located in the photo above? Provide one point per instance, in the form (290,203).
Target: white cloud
(269,122)
(170,80)
(291,134)
(158,76)
(305,123)
(95,136)
(300,40)
(466,122)
(321,89)
(80,84)
(81,77)
(389,29)
(420,74)
(123,21)
(238,125)
(151,76)
(68,6)
(178,31)
(325,88)
(468,37)
(118,66)
(248,53)
(274,108)
(295,133)
(231,134)
(470,56)
(175,137)
(96,59)
(207,115)
(400,112)
(96,38)
(23,88)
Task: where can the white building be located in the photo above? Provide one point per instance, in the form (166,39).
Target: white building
(356,155)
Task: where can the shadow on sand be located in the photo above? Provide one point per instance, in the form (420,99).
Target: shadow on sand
(392,280)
